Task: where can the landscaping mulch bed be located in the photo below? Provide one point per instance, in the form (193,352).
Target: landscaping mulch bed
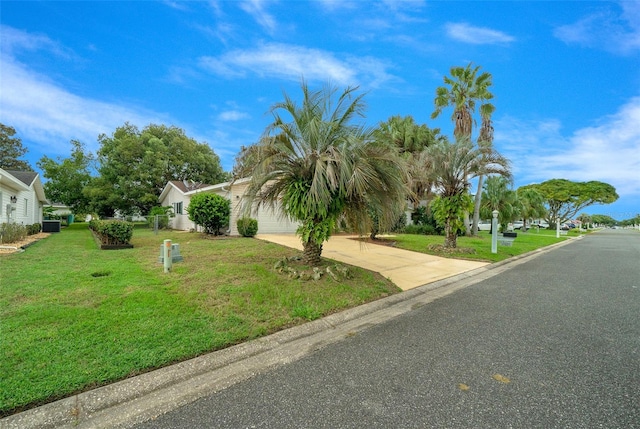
(18,246)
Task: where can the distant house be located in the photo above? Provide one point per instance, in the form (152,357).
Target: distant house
(21,197)
(177,194)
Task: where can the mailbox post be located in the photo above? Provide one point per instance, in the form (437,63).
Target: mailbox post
(494,232)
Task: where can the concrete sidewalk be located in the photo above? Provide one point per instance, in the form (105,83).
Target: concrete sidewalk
(404,268)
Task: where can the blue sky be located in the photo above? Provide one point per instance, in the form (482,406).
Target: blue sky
(566,75)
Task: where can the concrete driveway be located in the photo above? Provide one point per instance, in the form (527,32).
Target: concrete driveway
(405,268)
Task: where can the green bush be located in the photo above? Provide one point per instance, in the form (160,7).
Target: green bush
(112,232)
(12,232)
(420,230)
(34,229)
(211,211)
(247,227)
(163,214)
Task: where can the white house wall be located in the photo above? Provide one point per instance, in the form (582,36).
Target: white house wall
(28,210)
(269,221)
(180,221)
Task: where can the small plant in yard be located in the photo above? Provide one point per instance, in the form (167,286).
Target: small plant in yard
(247,227)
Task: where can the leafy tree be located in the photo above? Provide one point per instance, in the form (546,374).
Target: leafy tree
(531,205)
(462,91)
(498,196)
(211,211)
(564,198)
(449,166)
(317,166)
(11,149)
(136,165)
(68,178)
(603,220)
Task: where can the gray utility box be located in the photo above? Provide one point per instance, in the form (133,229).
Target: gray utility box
(51,226)
(507,238)
(175,253)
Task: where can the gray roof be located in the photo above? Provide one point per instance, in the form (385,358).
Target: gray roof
(26,177)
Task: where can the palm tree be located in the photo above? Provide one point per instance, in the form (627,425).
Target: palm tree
(498,196)
(484,139)
(464,89)
(532,205)
(409,139)
(449,166)
(317,166)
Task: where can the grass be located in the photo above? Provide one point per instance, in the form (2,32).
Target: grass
(525,242)
(74,317)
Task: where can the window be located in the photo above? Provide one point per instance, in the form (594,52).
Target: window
(177,208)
(26,207)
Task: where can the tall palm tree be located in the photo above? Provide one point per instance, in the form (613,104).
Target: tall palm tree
(315,166)
(485,138)
(464,89)
(449,166)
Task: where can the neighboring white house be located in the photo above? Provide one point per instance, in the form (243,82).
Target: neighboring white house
(177,194)
(21,197)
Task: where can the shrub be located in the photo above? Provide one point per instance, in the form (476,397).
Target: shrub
(211,211)
(34,229)
(247,227)
(112,232)
(12,232)
(420,230)
(163,214)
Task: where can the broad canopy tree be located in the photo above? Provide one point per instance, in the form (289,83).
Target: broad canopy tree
(317,165)
(68,177)
(11,149)
(135,165)
(565,199)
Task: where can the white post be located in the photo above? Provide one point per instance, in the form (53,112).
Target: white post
(557,227)
(494,232)
(167,256)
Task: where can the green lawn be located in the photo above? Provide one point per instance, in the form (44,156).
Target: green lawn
(73,317)
(525,242)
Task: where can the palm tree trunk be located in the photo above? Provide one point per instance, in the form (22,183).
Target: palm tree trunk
(450,237)
(311,253)
(476,206)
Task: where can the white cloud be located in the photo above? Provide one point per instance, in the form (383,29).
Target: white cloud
(256,9)
(49,116)
(14,41)
(608,151)
(467,33)
(606,29)
(232,115)
(293,63)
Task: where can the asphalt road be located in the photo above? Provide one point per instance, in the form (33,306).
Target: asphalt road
(551,343)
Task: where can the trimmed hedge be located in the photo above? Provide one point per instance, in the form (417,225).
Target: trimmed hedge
(112,232)
(247,227)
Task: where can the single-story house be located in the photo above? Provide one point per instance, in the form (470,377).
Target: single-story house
(21,197)
(177,194)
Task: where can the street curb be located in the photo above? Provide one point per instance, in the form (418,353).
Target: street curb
(137,399)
